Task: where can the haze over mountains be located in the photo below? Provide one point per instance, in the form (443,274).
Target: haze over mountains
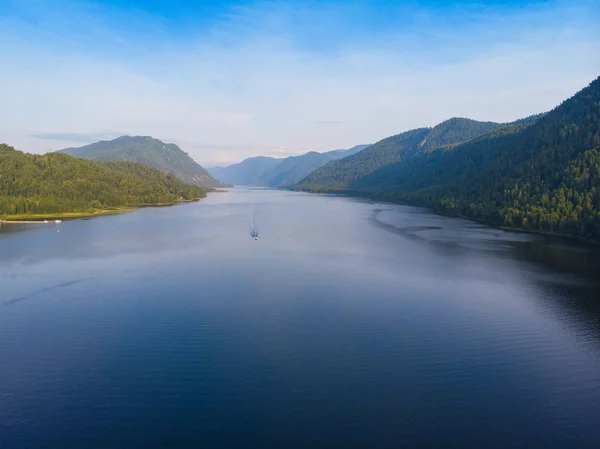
(166,157)
(539,173)
(274,172)
(340,174)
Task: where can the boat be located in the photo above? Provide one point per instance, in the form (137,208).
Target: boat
(57,221)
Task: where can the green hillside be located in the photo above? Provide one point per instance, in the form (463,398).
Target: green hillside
(53,183)
(541,173)
(540,176)
(455,130)
(338,175)
(166,157)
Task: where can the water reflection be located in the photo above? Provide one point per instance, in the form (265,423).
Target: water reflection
(564,270)
(347,324)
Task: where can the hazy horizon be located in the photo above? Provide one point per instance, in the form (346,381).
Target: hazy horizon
(228,81)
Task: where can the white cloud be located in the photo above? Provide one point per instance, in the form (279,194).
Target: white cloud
(223,99)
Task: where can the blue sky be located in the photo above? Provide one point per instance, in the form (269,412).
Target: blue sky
(228,80)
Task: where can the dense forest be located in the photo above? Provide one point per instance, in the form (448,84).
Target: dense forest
(540,174)
(166,157)
(58,183)
(339,175)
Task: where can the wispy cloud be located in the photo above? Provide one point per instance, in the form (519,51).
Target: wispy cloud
(230,82)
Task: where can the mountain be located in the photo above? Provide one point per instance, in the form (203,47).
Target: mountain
(338,175)
(295,168)
(166,157)
(543,176)
(455,130)
(540,173)
(247,172)
(338,154)
(292,169)
(266,171)
(57,183)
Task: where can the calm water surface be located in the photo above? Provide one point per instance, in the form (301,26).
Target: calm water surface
(348,324)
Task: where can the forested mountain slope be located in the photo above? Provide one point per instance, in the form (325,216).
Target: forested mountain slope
(540,176)
(166,157)
(338,175)
(456,130)
(266,171)
(59,183)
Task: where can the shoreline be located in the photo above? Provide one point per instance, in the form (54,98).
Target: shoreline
(356,195)
(40,218)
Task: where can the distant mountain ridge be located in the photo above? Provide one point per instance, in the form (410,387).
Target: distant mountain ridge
(295,168)
(273,172)
(339,174)
(166,157)
(248,172)
(540,173)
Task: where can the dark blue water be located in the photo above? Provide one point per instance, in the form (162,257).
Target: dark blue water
(347,324)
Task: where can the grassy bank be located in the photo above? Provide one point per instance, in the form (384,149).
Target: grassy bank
(85,214)
(63,215)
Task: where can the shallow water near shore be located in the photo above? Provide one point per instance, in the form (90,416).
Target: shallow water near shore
(347,324)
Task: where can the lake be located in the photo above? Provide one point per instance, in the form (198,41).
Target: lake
(348,324)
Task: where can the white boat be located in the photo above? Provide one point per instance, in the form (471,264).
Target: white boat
(57,221)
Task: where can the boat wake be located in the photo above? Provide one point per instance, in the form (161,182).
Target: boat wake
(252,223)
